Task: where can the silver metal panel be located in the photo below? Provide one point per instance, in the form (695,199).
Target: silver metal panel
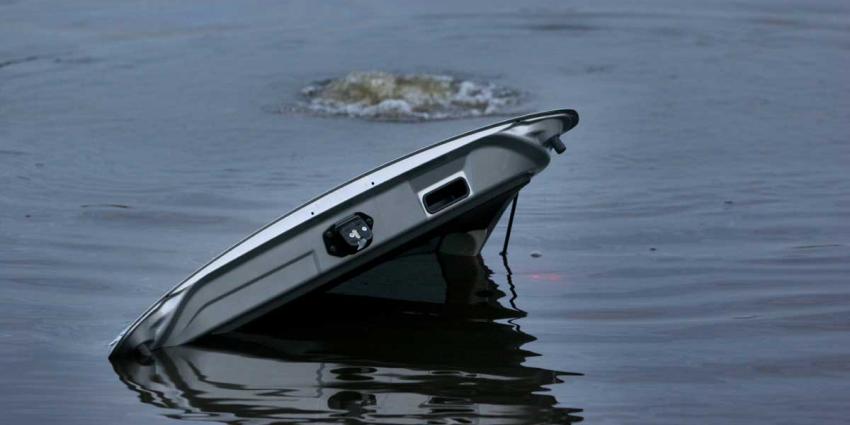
(287,258)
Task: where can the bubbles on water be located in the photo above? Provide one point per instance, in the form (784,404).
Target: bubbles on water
(406,97)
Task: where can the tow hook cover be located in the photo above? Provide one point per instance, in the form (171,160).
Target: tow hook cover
(349,235)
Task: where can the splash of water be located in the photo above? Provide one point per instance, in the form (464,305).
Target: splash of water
(406,97)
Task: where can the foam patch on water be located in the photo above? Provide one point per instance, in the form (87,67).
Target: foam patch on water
(406,97)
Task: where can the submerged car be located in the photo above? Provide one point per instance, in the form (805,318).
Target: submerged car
(446,199)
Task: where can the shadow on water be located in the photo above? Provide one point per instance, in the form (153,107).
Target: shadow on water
(436,347)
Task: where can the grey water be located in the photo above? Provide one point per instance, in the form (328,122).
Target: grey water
(692,247)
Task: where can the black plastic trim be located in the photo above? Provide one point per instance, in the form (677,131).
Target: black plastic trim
(446,195)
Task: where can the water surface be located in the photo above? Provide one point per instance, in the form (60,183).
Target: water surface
(695,237)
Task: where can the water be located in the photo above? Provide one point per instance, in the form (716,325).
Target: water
(416,97)
(335,357)
(695,237)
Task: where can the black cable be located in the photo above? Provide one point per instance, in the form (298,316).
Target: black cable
(510,226)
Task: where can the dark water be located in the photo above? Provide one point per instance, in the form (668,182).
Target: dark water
(695,238)
(437,352)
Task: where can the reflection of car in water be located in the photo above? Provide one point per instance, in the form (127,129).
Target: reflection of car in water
(437,348)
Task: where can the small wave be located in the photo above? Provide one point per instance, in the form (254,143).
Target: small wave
(407,97)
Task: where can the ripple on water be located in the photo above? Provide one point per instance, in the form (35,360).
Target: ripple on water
(406,97)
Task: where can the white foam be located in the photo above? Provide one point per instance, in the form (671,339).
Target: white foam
(406,97)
